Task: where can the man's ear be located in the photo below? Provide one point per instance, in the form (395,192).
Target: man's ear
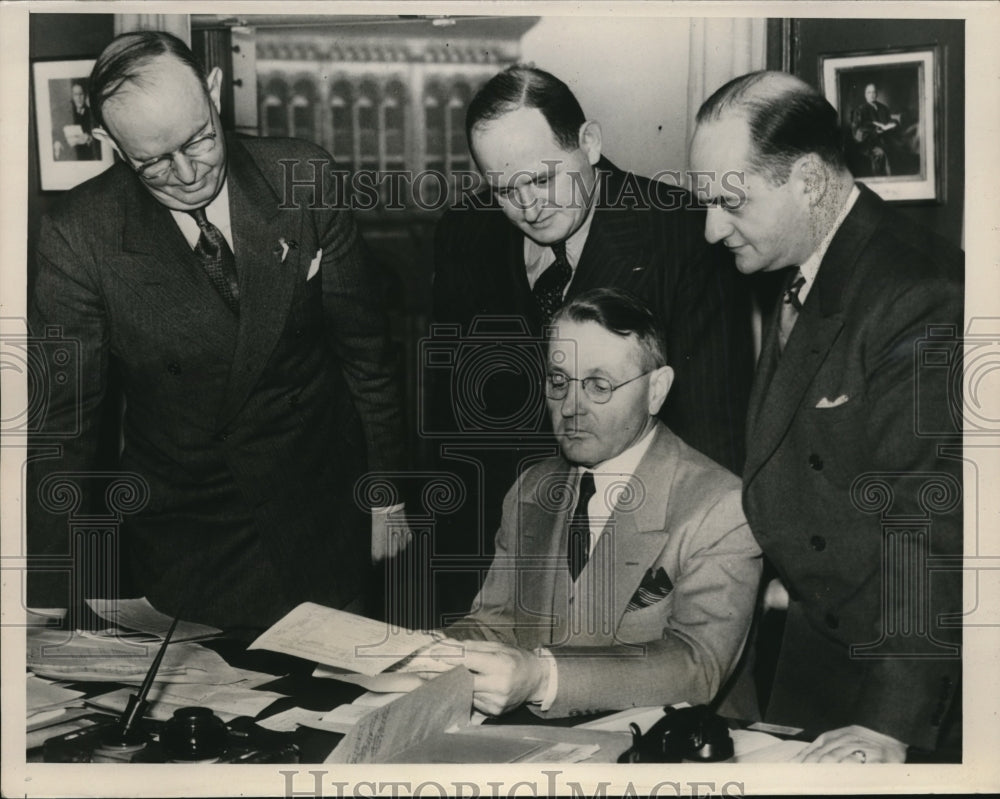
(102,135)
(813,177)
(660,381)
(590,140)
(215,88)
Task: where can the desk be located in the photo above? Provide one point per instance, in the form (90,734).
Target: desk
(292,677)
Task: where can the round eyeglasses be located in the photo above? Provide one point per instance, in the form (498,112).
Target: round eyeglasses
(161,167)
(597,389)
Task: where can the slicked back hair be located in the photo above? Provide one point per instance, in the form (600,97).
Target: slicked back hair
(521,86)
(125,61)
(787,118)
(623,314)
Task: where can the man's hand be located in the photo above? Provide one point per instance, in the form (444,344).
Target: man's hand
(391,533)
(505,676)
(853,744)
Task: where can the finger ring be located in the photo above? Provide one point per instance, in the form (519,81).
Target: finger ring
(862,753)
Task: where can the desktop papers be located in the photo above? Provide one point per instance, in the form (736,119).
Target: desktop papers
(139,614)
(62,655)
(337,638)
(388,731)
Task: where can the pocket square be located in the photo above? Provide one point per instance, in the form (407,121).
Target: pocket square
(314,265)
(828,403)
(654,587)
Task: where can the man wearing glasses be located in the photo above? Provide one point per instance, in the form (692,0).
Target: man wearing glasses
(625,573)
(248,334)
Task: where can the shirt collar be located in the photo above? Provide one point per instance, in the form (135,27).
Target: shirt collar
(538,257)
(810,267)
(217,212)
(624,463)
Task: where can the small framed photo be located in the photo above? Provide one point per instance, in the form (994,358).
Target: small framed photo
(68,152)
(890,108)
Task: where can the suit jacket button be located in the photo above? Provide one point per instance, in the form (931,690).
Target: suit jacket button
(222,437)
(832,621)
(816,462)
(818,543)
(174,368)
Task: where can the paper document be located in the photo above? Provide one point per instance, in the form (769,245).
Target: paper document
(226,701)
(139,614)
(761,747)
(337,638)
(387,731)
(62,655)
(643,717)
(44,695)
(386,682)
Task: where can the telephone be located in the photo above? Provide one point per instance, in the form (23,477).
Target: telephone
(693,734)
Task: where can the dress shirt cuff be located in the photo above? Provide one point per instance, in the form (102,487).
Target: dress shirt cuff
(547,696)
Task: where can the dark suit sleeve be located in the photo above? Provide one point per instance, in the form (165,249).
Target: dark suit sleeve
(709,346)
(68,350)
(359,332)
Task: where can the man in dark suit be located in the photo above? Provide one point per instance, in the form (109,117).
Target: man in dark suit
(835,458)
(247,331)
(874,129)
(558,220)
(625,573)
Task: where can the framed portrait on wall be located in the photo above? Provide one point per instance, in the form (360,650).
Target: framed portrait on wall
(68,153)
(890,107)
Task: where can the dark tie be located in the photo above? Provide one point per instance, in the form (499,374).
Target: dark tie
(790,307)
(579,527)
(549,286)
(217,259)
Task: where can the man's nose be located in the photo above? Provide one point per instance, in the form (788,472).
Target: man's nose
(529,204)
(184,169)
(717,226)
(571,403)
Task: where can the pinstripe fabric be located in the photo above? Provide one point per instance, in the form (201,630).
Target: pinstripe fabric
(645,238)
(244,430)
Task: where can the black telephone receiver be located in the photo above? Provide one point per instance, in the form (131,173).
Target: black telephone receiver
(683,734)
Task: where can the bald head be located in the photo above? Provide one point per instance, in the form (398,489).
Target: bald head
(786,118)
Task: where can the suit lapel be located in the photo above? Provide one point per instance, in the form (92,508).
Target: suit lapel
(543,531)
(615,244)
(631,542)
(782,381)
(162,268)
(266,283)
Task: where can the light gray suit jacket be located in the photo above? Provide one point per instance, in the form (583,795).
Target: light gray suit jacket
(680,512)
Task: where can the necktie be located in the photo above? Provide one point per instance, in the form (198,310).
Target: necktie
(217,259)
(790,307)
(549,287)
(579,527)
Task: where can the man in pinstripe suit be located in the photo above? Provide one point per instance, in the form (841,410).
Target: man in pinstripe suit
(549,188)
(248,413)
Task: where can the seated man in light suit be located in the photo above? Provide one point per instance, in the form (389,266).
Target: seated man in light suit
(625,573)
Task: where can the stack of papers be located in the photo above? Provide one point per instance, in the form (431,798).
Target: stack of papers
(139,615)
(89,657)
(228,702)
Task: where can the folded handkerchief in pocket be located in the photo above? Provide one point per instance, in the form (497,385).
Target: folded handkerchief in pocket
(314,265)
(832,403)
